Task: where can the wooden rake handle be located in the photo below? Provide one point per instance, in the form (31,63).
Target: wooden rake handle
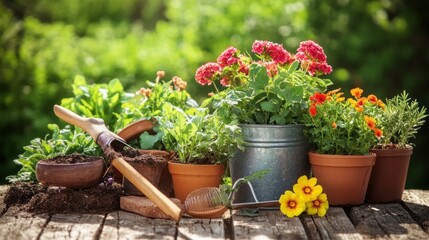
(151,192)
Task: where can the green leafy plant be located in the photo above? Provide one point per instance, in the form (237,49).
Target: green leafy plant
(336,126)
(60,142)
(197,136)
(97,100)
(148,103)
(271,90)
(401,119)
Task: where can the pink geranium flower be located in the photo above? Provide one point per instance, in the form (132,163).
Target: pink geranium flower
(207,73)
(228,57)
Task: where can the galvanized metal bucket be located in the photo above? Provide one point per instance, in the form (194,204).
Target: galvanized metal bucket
(282,149)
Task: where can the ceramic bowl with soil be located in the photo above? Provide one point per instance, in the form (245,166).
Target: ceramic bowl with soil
(71,171)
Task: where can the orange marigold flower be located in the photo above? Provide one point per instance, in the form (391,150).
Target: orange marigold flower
(372,99)
(356,92)
(340,97)
(361,101)
(334,92)
(381,104)
(378,132)
(370,122)
(313,110)
(351,101)
(334,125)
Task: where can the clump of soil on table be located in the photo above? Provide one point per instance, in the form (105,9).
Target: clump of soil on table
(37,198)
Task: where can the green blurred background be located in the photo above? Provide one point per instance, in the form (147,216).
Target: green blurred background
(380,46)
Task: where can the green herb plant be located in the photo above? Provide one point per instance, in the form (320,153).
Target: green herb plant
(197,136)
(401,120)
(60,142)
(148,103)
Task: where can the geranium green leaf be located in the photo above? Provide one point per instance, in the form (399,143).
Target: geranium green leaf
(293,67)
(258,77)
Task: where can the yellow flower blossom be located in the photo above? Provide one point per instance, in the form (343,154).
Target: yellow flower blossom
(307,188)
(320,205)
(291,204)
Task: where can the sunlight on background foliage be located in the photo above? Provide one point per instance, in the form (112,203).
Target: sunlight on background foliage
(379,45)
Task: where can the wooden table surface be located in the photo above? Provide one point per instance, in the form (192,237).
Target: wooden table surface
(408,219)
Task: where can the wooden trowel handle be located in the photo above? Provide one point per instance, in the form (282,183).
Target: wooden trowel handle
(151,192)
(93,126)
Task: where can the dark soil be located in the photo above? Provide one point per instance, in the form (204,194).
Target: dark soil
(103,198)
(73,158)
(35,198)
(136,156)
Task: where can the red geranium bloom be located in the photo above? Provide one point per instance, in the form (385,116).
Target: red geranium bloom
(206,72)
(228,57)
(225,81)
(259,46)
(309,50)
(278,53)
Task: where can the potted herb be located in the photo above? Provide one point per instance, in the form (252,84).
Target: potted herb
(138,126)
(267,96)
(342,134)
(401,119)
(56,160)
(203,144)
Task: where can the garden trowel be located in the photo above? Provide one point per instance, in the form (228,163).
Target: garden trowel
(108,141)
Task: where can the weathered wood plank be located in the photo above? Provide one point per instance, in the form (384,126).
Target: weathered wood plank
(385,221)
(417,202)
(334,225)
(3,190)
(268,225)
(22,226)
(73,226)
(126,225)
(194,228)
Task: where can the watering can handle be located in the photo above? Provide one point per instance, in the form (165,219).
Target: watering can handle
(93,126)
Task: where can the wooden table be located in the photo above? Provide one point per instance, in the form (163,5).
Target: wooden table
(406,220)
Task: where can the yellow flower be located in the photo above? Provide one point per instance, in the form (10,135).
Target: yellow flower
(319,206)
(307,188)
(291,204)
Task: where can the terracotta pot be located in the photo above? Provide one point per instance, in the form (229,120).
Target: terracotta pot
(344,178)
(71,175)
(190,177)
(160,178)
(389,175)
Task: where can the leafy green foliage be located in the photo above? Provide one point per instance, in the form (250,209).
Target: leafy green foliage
(197,136)
(148,103)
(97,100)
(60,142)
(401,120)
(278,100)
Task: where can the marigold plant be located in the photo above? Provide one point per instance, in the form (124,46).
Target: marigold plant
(340,126)
(273,88)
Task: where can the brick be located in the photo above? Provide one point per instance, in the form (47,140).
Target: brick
(144,206)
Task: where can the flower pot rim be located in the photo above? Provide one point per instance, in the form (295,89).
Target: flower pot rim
(45,162)
(332,160)
(408,147)
(346,156)
(134,129)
